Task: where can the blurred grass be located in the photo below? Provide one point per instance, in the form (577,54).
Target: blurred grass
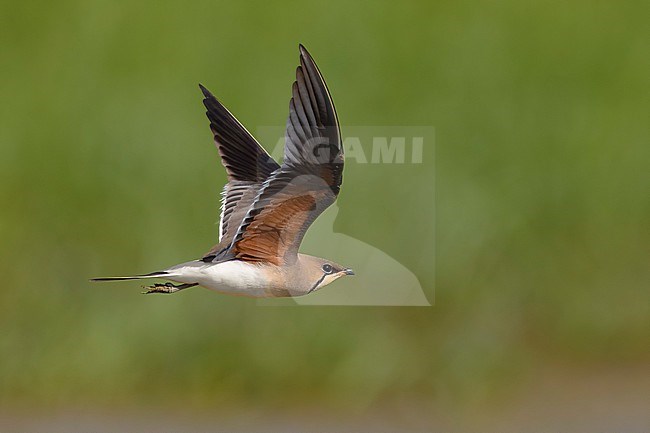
(541,205)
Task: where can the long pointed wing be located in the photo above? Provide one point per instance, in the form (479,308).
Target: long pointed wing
(308,181)
(248,165)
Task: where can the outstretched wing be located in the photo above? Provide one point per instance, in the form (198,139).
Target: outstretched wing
(248,165)
(306,184)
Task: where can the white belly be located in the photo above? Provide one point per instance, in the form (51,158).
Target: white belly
(232,277)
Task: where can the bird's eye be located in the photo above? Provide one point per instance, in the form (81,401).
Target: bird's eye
(327,268)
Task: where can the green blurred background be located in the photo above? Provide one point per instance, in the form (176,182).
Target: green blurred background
(540,209)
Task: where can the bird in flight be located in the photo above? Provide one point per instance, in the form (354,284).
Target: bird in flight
(266,207)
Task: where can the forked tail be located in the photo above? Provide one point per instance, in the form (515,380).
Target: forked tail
(160,274)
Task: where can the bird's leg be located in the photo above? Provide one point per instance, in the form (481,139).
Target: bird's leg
(167,288)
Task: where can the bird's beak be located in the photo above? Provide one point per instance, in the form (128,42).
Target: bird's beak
(349,271)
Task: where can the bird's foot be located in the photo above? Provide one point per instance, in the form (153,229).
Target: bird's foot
(166,288)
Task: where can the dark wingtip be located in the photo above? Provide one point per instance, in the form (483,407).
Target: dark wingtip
(205,91)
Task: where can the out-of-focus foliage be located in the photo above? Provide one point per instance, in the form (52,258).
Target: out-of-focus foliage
(540,205)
